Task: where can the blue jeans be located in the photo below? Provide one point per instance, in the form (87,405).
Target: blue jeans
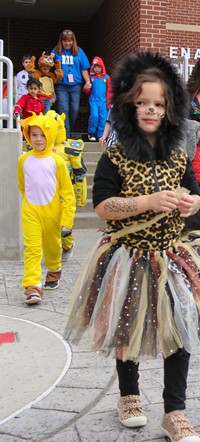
(97,118)
(68,101)
(47,105)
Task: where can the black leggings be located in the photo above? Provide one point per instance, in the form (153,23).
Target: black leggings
(175,379)
(193,222)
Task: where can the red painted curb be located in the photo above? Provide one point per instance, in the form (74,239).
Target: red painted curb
(7,337)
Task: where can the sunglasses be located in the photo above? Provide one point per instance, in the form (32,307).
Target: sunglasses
(67,33)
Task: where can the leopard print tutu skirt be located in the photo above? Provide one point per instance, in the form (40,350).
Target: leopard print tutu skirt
(132,303)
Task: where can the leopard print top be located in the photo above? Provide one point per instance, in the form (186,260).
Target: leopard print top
(143,179)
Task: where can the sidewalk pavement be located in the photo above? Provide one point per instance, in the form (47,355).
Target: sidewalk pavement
(52,391)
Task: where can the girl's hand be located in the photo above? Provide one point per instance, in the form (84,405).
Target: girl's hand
(102,141)
(163,201)
(188,205)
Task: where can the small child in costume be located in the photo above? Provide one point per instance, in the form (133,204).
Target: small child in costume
(22,77)
(109,135)
(30,102)
(139,291)
(192,141)
(99,98)
(49,73)
(196,159)
(193,87)
(71,152)
(48,206)
(192,146)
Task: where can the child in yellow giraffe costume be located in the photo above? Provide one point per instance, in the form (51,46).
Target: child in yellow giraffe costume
(71,151)
(48,205)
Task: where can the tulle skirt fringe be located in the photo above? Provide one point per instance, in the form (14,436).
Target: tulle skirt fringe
(136,303)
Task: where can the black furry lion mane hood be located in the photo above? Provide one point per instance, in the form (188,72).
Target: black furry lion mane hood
(124,118)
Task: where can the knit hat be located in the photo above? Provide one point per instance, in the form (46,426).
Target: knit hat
(46,60)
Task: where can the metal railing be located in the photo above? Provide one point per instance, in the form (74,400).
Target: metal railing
(182,66)
(9,115)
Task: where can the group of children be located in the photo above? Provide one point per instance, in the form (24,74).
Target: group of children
(51,177)
(35,87)
(139,290)
(35,90)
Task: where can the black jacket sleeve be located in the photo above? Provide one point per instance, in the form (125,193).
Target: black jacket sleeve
(107,182)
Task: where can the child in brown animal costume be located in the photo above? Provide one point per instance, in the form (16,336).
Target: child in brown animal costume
(48,73)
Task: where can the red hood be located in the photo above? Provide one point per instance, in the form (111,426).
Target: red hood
(97,60)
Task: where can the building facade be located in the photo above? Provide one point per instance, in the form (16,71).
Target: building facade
(119,27)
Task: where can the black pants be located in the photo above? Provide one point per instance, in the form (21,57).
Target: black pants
(193,222)
(175,379)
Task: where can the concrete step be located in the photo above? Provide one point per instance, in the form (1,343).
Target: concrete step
(90,178)
(87,208)
(88,220)
(92,147)
(89,191)
(86,217)
(91,156)
(91,166)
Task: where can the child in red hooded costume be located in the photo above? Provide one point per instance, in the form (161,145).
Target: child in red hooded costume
(99,98)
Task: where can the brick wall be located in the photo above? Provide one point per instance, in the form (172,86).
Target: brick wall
(183,11)
(114,30)
(125,26)
(183,30)
(153,25)
(122,26)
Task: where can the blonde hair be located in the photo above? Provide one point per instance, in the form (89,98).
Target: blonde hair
(67,34)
